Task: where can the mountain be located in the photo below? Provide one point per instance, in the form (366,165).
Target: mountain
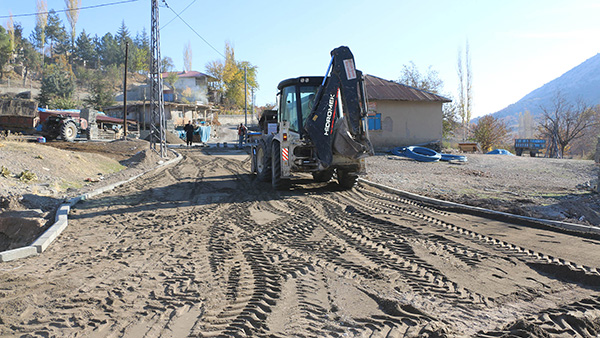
(581,82)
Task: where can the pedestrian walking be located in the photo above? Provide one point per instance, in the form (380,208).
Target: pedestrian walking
(189,133)
(242,130)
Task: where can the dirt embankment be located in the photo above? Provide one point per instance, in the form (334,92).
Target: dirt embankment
(35,178)
(201,249)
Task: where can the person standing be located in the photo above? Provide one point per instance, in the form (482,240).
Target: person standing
(189,133)
(241,134)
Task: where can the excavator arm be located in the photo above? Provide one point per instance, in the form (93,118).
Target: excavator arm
(337,122)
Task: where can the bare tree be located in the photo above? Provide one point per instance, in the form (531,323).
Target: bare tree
(564,122)
(465,88)
(490,131)
(41,20)
(72,16)
(187,57)
(430,81)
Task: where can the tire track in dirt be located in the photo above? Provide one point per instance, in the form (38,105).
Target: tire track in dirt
(200,249)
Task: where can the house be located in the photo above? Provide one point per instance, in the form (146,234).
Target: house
(400,115)
(176,114)
(190,87)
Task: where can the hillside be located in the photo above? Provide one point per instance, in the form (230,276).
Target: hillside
(581,82)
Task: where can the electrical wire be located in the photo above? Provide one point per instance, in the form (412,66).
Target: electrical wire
(188,6)
(66,10)
(193,30)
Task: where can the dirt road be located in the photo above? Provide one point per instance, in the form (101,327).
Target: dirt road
(200,249)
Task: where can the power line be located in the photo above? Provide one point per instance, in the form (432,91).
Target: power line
(66,10)
(193,30)
(188,6)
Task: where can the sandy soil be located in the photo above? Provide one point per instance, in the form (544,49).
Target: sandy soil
(62,170)
(557,189)
(201,249)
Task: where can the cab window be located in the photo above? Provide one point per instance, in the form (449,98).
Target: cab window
(289,111)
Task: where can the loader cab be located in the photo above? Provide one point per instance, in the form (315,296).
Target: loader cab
(296,99)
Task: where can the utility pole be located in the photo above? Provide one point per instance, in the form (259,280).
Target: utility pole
(252,99)
(157,103)
(245,97)
(125,92)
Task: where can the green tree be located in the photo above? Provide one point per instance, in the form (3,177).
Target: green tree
(230,77)
(122,38)
(140,56)
(85,51)
(490,131)
(108,50)
(166,65)
(5,50)
(101,93)
(27,55)
(58,84)
(56,34)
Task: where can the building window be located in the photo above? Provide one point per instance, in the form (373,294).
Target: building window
(374,121)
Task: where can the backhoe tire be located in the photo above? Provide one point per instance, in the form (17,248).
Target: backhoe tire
(347,180)
(68,131)
(263,163)
(277,182)
(322,176)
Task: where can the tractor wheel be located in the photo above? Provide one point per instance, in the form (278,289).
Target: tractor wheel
(277,182)
(263,165)
(68,131)
(322,176)
(347,180)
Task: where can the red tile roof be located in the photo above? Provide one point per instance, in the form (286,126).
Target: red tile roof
(380,89)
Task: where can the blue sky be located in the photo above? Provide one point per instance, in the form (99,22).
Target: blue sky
(515,46)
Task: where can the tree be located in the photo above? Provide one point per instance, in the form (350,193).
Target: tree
(171,79)
(187,57)
(429,82)
(490,131)
(85,51)
(41,19)
(108,50)
(465,96)
(10,27)
(140,55)
(564,122)
(101,93)
(72,16)
(230,77)
(58,84)
(166,65)
(122,38)
(27,55)
(57,35)
(5,50)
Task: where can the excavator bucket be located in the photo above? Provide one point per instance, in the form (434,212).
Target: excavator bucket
(336,124)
